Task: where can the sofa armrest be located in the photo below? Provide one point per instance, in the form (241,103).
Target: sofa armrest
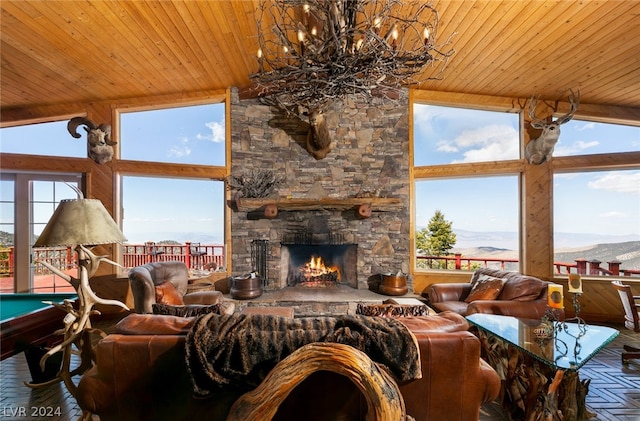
(433,397)
(203,297)
(438,293)
(524,309)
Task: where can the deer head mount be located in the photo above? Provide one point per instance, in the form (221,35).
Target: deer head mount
(540,149)
(318,137)
(99,144)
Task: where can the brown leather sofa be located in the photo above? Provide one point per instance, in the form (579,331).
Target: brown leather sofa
(141,374)
(166,283)
(519,295)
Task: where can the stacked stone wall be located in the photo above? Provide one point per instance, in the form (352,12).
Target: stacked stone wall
(369,156)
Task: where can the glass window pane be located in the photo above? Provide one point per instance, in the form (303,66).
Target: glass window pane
(43,139)
(42,191)
(182,135)
(579,137)
(597,217)
(446,135)
(188,210)
(486,232)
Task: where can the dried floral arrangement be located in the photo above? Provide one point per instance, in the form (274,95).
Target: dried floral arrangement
(256,184)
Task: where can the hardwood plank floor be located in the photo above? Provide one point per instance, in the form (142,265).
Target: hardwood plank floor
(614,391)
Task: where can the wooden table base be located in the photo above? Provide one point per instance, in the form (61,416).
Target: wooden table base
(532,390)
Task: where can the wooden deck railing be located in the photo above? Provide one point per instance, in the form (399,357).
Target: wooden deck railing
(194,255)
(580,266)
(211,256)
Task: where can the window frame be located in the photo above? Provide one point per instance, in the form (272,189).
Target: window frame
(509,167)
(124,168)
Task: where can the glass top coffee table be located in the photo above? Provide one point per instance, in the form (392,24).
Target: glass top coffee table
(533,357)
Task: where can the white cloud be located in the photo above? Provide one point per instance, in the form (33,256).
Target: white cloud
(584,126)
(487,143)
(621,182)
(575,148)
(182,149)
(217,134)
(613,214)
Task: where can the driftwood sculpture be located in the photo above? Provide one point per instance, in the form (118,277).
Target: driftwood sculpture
(99,144)
(381,392)
(318,138)
(541,149)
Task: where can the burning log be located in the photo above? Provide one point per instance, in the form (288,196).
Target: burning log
(315,273)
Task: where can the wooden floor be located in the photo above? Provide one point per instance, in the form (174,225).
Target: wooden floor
(614,392)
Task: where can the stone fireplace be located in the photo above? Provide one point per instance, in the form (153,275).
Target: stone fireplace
(369,158)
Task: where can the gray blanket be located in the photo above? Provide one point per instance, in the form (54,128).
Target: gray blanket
(239,350)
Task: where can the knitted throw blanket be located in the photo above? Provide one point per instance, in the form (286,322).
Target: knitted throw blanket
(239,350)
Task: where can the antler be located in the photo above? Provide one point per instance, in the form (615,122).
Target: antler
(574,106)
(535,121)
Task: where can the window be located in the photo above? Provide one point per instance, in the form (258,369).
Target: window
(171,211)
(597,222)
(580,137)
(181,135)
(51,139)
(596,212)
(447,135)
(163,215)
(24,216)
(486,231)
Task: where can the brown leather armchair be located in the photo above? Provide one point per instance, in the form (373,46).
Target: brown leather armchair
(166,282)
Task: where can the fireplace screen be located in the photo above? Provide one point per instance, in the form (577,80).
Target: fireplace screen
(320,265)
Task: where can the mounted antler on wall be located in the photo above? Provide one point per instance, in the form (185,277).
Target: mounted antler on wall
(540,150)
(99,144)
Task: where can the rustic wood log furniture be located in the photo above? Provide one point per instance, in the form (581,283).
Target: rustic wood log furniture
(538,363)
(631,317)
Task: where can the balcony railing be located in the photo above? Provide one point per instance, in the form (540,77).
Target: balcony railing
(580,266)
(194,255)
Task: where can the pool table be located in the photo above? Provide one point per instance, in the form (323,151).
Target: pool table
(25,320)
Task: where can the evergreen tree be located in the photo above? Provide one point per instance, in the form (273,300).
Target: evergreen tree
(441,236)
(438,238)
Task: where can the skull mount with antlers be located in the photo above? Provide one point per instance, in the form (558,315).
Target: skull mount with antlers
(540,150)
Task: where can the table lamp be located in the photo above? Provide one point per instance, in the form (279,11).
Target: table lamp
(78,223)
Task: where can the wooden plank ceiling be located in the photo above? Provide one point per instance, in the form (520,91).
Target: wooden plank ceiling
(72,52)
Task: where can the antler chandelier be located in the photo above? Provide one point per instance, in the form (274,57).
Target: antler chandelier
(321,50)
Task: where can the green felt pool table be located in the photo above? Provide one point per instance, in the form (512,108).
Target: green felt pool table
(26,320)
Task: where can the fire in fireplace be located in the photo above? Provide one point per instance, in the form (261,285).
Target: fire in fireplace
(313,265)
(315,273)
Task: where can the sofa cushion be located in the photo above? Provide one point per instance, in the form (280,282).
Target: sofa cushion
(518,287)
(167,293)
(151,324)
(485,288)
(447,321)
(522,288)
(186,311)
